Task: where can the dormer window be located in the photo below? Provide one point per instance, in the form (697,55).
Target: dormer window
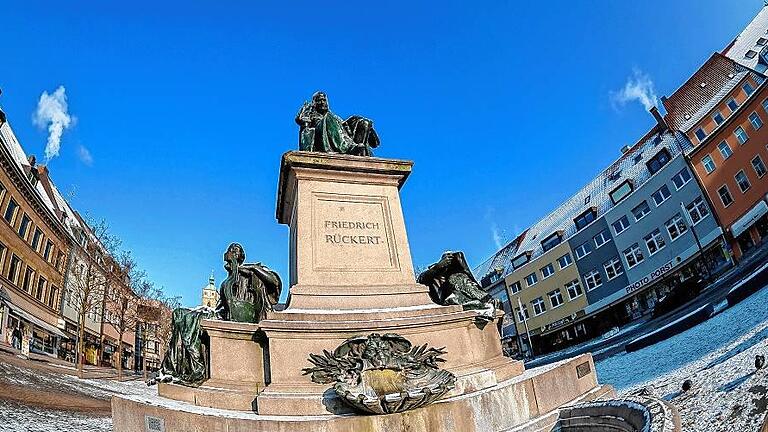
(658,161)
(553,240)
(585,218)
(521,259)
(621,192)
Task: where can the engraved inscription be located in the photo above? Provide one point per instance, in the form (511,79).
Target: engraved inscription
(352,232)
(583,370)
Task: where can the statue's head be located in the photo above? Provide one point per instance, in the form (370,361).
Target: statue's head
(320,102)
(234,252)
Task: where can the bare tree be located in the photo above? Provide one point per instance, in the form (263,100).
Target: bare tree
(122,300)
(90,277)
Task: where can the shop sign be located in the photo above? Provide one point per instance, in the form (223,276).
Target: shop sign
(650,277)
(559,323)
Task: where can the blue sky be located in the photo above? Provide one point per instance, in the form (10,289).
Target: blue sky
(186,108)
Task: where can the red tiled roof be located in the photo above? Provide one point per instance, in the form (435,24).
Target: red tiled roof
(691,97)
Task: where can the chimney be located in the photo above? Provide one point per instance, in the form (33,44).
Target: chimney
(659,119)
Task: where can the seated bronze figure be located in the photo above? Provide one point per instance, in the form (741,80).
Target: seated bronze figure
(249,291)
(323,131)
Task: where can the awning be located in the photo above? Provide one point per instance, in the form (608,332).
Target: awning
(746,221)
(34,320)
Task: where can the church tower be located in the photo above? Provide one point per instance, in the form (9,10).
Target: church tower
(210,294)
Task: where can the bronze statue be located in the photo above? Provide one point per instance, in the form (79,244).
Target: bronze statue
(246,295)
(451,282)
(382,374)
(249,291)
(320,130)
(186,359)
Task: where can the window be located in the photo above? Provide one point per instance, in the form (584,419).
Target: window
(531,279)
(661,195)
(593,280)
(676,226)
(564,261)
(520,260)
(601,238)
(633,255)
(641,210)
(663,157)
(681,179)
(725,195)
(555,298)
(765,105)
(741,135)
(725,150)
(24,226)
(759,166)
(47,250)
(515,287)
(654,241)
(10,211)
(613,268)
(40,289)
(3,249)
(26,284)
(574,289)
(547,271)
(583,250)
(13,269)
(52,294)
(748,89)
(718,118)
(585,218)
(522,315)
(757,123)
(36,239)
(621,192)
(709,164)
(538,306)
(700,134)
(620,225)
(551,241)
(697,210)
(742,181)
(732,105)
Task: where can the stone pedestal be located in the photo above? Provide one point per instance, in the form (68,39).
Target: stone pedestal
(348,244)
(239,368)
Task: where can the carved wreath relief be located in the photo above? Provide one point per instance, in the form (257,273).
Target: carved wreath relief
(382,374)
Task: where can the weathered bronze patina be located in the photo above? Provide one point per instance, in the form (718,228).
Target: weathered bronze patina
(186,359)
(320,130)
(249,291)
(383,374)
(451,282)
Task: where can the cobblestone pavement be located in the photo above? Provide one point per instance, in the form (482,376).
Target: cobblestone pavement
(34,398)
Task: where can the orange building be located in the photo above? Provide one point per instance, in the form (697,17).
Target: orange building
(723,109)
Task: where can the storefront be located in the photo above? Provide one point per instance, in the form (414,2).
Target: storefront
(42,337)
(749,229)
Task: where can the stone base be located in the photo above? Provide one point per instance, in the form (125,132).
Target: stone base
(523,403)
(473,351)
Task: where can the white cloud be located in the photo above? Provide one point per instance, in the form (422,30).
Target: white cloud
(498,238)
(85,155)
(52,113)
(639,87)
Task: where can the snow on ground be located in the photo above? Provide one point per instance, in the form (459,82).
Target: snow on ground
(21,418)
(718,356)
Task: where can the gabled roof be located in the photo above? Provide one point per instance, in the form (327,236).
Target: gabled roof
(747,46)
(629,166)
(703,91)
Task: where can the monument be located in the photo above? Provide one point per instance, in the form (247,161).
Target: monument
(360,345)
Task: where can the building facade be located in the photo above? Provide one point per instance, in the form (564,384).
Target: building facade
(210,293)
(609,253)
(33,248)
(722,109)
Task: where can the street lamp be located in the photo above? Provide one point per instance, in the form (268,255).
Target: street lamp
(698,242)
